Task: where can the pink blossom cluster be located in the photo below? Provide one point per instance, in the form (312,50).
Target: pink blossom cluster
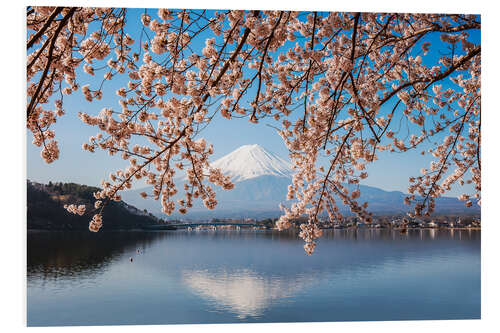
(55,36)
(80,210)
(339,86)
(95,223)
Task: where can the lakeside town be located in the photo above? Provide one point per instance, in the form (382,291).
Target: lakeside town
(45,211)
(394,222)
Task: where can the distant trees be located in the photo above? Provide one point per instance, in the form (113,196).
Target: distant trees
(45,208)
(83,191)
(347,86)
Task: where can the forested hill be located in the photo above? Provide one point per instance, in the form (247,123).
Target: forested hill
(45,205)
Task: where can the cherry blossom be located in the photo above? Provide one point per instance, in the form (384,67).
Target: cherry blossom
(337,85)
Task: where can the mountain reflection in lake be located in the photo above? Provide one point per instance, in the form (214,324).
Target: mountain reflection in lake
(251,276)
(243,291)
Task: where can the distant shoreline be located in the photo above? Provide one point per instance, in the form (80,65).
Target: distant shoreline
(249,229)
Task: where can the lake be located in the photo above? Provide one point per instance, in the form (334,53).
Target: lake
(188,277)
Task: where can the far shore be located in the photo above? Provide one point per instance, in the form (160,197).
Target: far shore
(256,229)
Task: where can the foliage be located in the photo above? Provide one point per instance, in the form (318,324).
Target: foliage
(46,208)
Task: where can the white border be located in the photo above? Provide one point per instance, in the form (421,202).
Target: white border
(13,243)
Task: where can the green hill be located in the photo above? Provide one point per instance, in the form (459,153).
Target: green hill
(45,205)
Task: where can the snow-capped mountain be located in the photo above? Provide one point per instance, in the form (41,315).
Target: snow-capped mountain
(261,179)
(252,161)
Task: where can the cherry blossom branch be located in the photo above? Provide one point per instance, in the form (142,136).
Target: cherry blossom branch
(34,98)
(47,24)
(431,80)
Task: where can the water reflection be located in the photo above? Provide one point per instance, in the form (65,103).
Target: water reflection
(432,233)
(354,257)
(55,255)
(222,276)
(243,291)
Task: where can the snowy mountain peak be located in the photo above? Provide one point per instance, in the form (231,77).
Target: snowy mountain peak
(251,161)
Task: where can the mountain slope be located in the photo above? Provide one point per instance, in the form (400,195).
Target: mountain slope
(261,182)
(45,209)
(252,161)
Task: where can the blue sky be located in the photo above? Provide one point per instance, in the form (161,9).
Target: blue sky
(390,172)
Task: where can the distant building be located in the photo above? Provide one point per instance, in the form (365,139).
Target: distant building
(432,224)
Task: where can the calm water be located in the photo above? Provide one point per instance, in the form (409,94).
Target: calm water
(250,276)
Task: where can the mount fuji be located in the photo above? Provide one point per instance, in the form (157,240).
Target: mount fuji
(261,180)
(252,161)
